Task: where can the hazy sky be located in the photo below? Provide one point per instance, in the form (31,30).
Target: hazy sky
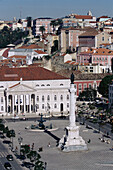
(53,8)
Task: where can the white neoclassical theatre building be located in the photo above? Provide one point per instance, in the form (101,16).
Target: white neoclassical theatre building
(31,90)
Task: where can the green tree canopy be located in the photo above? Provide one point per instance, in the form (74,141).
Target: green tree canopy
(7,36)
(104,85)
(29,20)
(42,29)
(88,93)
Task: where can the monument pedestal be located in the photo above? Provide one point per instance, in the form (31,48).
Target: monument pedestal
(72,141)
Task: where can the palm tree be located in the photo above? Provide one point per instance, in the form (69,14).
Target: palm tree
(42,29)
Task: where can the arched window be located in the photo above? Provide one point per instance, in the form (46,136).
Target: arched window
(48,98)
(61,84)
(37,98)
(48,84)
(61,97)
(43,98)
(67,105)
(42,85)
(42,106)
(55,97)
(67,96)
(55,106)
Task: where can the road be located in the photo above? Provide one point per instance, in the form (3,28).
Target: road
(3,153)
(103,128)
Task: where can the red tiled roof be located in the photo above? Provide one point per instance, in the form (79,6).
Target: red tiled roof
(40,52)
(28,73)
(5,53)
(32,46)
(18,56)
(83,17)
(89,33)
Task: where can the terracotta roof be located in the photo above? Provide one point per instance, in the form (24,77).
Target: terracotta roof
(18,56)
(103,51)
(89,33)
(99,51)
(83,17)
(28,73)
(104,17)
(40,52)
(5,53)
(32,46)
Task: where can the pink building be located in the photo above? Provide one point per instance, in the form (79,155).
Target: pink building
(37,23)
(96,56)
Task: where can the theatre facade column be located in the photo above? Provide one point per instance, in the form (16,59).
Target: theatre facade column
(18,104)
(24,103)
(30,103)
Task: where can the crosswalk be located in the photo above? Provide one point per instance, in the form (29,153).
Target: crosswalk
(3,154)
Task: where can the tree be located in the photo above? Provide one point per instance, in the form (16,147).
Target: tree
(33,156)
(11,134)
(29,20)
(104,85)
(25,149)
(55,23)
(42,29)
(88,93)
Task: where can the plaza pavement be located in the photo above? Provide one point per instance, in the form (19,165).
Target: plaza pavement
(98,157)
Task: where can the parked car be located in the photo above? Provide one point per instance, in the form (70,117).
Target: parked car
(9,157)
(28,164)
(7,165)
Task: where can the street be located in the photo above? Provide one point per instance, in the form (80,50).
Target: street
(3,153)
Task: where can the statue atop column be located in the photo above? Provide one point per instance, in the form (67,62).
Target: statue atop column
(72,78)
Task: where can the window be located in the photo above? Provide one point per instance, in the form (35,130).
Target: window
(48,84)
(55,97)
(43,98)
(67,96)
(80,87)
(61,97)
(37,84)
(85,86)
(48,98)
(42,85)
(42,106)
(37,106)
(1,99)
(67,105)
(55,106)
(2,108)
(61,84)
(90,86)
(102,38)
(37,98)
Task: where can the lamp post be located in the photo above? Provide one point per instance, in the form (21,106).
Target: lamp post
(20,139)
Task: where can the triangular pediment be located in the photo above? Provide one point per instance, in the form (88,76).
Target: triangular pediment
(20,88)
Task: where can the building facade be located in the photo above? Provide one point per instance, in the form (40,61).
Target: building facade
(37,23)
(33,90)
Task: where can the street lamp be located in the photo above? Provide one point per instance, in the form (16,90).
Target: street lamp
(20,139)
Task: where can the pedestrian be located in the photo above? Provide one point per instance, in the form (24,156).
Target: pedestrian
(89,140)
(49,145)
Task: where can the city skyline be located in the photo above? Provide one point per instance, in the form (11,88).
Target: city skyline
(53,9)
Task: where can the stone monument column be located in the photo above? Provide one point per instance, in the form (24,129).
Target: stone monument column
(72,141)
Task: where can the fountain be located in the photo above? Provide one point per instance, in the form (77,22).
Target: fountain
(41,126)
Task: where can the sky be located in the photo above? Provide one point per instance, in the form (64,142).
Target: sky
(53,8)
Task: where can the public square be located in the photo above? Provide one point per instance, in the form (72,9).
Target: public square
(98,157)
